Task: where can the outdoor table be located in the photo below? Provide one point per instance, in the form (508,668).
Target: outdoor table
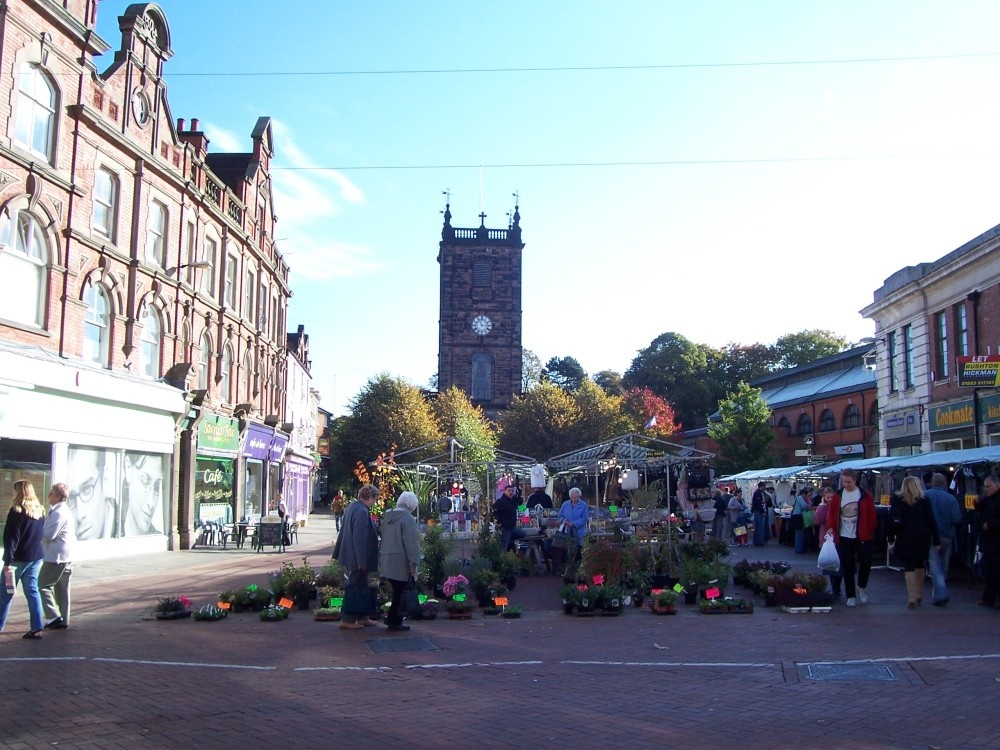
(240,533)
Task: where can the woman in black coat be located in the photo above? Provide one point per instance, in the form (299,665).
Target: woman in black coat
(912,530)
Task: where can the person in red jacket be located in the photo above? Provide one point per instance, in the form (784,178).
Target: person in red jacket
(852,519)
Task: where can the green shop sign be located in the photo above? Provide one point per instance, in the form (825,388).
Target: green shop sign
(989,409)
(952,416)
(219,433)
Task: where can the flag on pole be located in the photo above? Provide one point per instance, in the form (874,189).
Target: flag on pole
(651,423)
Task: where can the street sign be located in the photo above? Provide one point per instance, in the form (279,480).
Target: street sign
(815,459)
(803,452)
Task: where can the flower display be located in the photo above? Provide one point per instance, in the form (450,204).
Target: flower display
(455,585)
(173,604)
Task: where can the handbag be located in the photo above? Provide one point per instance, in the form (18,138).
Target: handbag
(829,559)
(807,519)
(359,598)
(409,603)
(562,538)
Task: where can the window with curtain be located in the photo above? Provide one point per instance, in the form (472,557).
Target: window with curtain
(209,255)
(34,127)
(827,423)
(805,426)
(941,328)
(97,327)
(204,357)
(246,379)
(24,258)
(961,330)
(230,294)
(105,203)
(149,345)
(156,234)
(227,371)
(852,417)
(908,356)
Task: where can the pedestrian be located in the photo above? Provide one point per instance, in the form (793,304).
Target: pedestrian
(852,519)
(22,554)
(399,554)
(357,551)
(338,506)
(947,515)
(58,540)
(539,497)
(575,513)
(802,503)
(505,513)
(911,531)
(736,510)
(758,507)
(720,503)
(989,539)
(727,525)
(770,503)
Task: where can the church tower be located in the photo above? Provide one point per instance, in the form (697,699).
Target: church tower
(479,338)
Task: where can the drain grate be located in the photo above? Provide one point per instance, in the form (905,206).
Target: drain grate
(849,672)
(395,645)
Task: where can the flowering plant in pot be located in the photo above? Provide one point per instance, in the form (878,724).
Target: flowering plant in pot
(210,613)
(459,603)
(273,613)
(172,607)
(326,613)
(663,601)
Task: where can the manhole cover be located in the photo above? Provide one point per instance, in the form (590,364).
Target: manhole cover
(391,645)
(849,672)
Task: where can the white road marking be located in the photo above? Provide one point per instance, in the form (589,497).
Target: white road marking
(671,664)
(473,664)
(343,669)
(44,658)
(183,664)
(902,658)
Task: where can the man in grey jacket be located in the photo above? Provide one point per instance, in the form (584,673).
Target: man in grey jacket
(357,549)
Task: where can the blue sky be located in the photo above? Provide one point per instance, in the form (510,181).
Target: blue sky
(731,171)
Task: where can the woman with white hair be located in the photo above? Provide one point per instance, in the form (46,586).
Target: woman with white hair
(400,553)
(575,515)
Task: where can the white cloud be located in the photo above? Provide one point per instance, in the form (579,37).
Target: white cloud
(223,141)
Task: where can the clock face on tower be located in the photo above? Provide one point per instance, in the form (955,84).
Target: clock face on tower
(481,325)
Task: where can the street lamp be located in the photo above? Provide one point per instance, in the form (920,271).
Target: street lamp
(195,264)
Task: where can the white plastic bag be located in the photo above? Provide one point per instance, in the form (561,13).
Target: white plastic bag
(829,560)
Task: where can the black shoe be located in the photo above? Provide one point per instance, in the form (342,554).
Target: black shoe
(399,628)
(56,624)
(942,603)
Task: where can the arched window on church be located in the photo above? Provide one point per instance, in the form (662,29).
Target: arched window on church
(482,377)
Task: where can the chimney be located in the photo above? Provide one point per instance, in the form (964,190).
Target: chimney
(180,124)
(194,124)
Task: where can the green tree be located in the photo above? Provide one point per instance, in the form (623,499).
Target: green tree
(540,423)
(565,372)
(601,415)
(743,432)
(531,370)
(794,349)
(458,418)
(735,363)
(610,382)
(676,369)
(387,412)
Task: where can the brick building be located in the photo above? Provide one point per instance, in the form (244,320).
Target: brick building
(926,317)
(143,313)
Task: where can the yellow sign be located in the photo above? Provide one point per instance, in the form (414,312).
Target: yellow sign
(970,501)
(885,500)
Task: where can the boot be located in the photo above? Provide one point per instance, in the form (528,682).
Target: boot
(918,584)
(910,576)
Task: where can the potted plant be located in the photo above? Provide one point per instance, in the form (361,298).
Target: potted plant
(492,610)
(570,596)
(332,574)
(609,599)
(459,603)
(513,611)
(603,557)
(273,613)
(712,606)
(739,606)
(663,602)
(693,572)
(172,608)
(429,609)
(435,548)
(330,614)
(299,583)
(210,613)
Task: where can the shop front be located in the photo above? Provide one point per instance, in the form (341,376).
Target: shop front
(109,437)
(952,426)
(215,467)
(263,453)
(902,433)
(298,483)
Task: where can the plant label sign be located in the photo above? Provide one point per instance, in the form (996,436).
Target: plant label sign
(678,588)
(285,602)
(712,593)
(223,605)
(598,579)
(500,601)
(458,598)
